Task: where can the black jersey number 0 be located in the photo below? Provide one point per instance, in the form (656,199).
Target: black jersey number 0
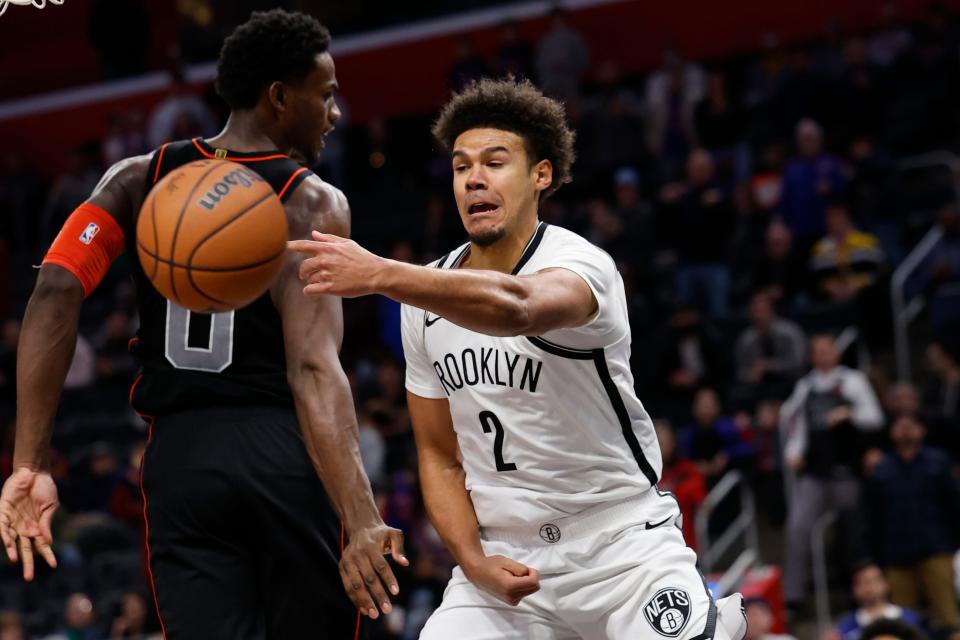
(215,356)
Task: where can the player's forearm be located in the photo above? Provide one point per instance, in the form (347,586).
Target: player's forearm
(450,509)
(484,301)
(48,340)
(329,425)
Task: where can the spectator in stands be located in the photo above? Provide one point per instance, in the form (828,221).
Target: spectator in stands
(673,92)
(719,125)
(779,271)
(871,593)
(701,223)
(892,630)
(688,355)
(562,57)
(82,372)
(115,365)
(760,621)
(891,40)
(810,180)
(611,132)
(683,479)
(468,66)
(914,508)
(182,114)
(769,355)
(830,420)
(944,271)
(609,231)
(637,214)
(70,190)
(373,451)
(11,626)
(125,137)
(862,98)
(870,190)
(941,397)
(846,261)
(80,620)
(514,55)
(133,619)
(764,437)
(713,442)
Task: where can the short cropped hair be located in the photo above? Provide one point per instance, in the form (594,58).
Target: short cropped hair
(270,46)
(518,107)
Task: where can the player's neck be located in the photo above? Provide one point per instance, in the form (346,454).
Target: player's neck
(243,133)
(504,254)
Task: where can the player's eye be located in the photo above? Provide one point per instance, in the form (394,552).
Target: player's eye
(460,168)
(495,163)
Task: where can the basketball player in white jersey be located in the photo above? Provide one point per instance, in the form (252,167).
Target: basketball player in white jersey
(538,462)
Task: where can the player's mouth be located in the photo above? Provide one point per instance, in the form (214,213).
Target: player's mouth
(323,137)
(480,208)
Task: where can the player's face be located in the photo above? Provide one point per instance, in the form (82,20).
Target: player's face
(312,109)
(494,183)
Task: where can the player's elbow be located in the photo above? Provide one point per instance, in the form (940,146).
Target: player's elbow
(519,318)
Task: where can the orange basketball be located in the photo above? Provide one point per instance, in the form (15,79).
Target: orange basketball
(211,235)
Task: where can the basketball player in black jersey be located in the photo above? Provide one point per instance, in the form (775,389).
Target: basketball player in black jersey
(243,536)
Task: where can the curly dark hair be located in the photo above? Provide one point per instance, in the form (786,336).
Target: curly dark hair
(516,106)
(896,628)
(271,45)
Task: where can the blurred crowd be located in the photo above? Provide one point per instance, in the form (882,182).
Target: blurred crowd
(757,207)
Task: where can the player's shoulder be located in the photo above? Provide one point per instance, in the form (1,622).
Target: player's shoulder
(129,172)
(558,241)
(317,204)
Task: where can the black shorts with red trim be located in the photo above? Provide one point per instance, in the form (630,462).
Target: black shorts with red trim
(243,541)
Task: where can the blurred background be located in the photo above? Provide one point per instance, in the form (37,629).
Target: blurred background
(778,183)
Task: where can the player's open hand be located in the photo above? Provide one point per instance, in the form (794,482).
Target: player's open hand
(27,504)
(366,574)
(337,266)
(504,578)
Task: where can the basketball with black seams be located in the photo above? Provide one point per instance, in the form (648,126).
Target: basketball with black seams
(211,236)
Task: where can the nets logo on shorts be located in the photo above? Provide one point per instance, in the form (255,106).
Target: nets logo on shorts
(550,533)
(89,233)
(668,611)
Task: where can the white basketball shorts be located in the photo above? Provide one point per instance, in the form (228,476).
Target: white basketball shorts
(613,571)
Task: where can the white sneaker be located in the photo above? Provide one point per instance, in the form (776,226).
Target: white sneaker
(731,617)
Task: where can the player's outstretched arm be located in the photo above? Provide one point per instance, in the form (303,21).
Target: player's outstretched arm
(484,301)
(48,339)
(312,332)
(450,509)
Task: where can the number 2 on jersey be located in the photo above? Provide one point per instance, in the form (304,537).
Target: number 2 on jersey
(490,422)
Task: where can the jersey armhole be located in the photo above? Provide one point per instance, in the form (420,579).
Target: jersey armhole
(294,181)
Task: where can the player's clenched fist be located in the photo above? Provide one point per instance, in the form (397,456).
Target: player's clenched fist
(337,266)
(504,578)
(365,571)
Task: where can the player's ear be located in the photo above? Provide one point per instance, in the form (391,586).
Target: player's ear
(543,175)
(277,95)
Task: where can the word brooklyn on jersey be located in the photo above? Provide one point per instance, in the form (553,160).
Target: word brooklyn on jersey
(487,366)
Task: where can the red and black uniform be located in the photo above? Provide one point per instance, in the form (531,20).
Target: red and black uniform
(243,542)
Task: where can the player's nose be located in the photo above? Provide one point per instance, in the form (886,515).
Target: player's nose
(476,179)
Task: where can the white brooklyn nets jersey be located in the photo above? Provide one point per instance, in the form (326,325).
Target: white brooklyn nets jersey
(548,425)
